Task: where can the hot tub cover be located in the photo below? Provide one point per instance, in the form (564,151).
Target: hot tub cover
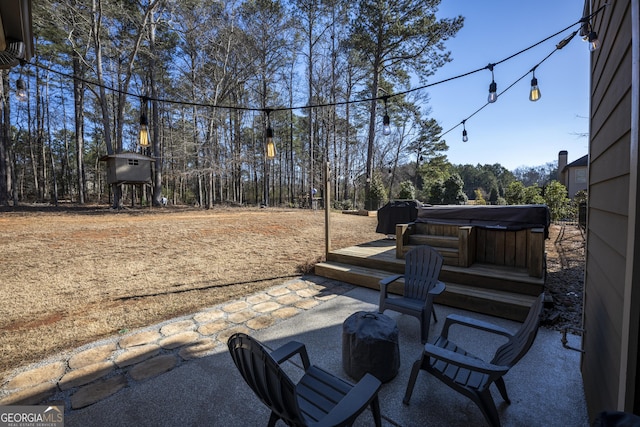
(516,217)
(396,212)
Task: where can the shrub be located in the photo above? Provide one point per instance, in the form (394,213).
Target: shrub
(377,194)
(514,194)
(555,196)
(493,196)
(407,190)
(453,194)
(533,195)
(345,205)
(436,193)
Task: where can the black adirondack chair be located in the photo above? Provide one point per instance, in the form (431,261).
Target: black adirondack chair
(421,270)
(318,399)
(469,374)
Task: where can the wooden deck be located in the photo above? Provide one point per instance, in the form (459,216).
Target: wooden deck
(496,290)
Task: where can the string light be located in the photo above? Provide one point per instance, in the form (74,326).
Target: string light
(144,125)
(386,122)
(270,145)
(386,127)
(21,87)
(144,131)
(592,38)
(465,138)
(493,87)
(589,35)
(559,46)
(21,90)
(333,104)
(534,93)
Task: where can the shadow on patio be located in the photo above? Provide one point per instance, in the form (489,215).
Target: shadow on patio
(545,387)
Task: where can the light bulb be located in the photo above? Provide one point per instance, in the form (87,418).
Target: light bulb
(465,138)
(386,128)
(144,131)
(594,43)
(271,147)
(144,136)
(21,90)
(493,92)
(534,94)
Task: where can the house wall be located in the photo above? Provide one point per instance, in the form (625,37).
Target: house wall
(576,180)
(611,277)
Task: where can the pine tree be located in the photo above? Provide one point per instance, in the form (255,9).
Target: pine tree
(395,38)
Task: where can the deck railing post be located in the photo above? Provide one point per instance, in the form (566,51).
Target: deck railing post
(402,238)
(535,261)
(327,211)
(466,246)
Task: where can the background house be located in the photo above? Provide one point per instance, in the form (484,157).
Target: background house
(573,175)
(612,278)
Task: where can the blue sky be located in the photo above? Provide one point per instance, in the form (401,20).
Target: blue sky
(513,131)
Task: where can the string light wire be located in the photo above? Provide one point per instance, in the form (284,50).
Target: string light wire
(557,48)
(340,103)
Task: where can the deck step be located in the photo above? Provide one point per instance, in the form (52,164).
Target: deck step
(494,277)
(354,274)
(435,241)
(450,256)
(508,305)
(381,255)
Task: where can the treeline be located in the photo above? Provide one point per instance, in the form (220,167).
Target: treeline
(488,184)
(210,78)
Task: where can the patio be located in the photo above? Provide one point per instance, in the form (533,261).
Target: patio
(546,387)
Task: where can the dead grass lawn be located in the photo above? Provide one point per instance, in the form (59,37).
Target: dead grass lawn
(73,276)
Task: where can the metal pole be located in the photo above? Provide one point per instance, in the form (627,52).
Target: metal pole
(327,222)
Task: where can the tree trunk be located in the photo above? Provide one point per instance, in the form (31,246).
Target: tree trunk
(96,21)
(46,121)
(310,130)
(4,141)
(157,177)
(41,175)
(372,129)
(78,102)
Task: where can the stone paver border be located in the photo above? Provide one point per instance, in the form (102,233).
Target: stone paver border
(98,370)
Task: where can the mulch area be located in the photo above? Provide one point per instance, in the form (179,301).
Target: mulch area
(565,277)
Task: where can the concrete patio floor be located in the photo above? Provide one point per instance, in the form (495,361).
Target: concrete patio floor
(545,387)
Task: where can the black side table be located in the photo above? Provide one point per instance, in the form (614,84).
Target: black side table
(370,345)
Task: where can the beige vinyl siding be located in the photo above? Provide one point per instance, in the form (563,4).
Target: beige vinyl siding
(608,215)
